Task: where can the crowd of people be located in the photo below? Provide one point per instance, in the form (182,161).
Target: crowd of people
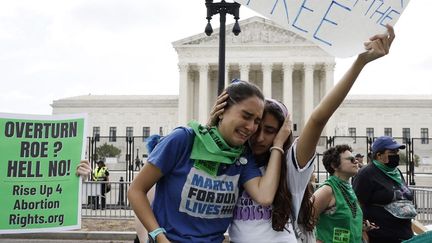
(244,173)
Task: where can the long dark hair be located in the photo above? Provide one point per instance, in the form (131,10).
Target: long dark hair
(306,209)
(282,201)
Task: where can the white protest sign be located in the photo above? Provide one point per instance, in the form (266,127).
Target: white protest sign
(340,27)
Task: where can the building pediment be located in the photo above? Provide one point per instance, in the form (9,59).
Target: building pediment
(254,31)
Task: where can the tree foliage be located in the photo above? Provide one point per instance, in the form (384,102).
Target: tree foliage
(404,159)
(107,150)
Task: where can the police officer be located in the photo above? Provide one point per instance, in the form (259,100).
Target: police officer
(101,173)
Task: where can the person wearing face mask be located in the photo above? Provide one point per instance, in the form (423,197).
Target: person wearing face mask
(384,195)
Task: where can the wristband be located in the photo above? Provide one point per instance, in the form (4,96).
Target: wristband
(155,233)
(278,149)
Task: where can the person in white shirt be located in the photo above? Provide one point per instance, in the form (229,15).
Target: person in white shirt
(259,223)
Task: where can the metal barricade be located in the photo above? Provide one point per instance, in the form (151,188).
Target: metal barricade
(117,205)
(112,204)
(423,203)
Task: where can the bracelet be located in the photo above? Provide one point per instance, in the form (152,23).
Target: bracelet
(278,149)
(154,233)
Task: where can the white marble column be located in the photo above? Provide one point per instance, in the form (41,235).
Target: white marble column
(308,90)
(267,79)
(329,83)
(329,76)
(227,80)
(287,92)
(244,71)
(183,105)
(203,93)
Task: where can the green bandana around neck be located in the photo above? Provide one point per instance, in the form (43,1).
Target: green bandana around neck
(344,186)
(393,173)
(210,149)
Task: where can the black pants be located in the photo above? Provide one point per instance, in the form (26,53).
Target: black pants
(384,240)
(102,196)
(94,200)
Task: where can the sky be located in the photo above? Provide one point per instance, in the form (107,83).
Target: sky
(52,49)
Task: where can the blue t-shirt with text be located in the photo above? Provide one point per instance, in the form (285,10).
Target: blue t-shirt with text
(190,204)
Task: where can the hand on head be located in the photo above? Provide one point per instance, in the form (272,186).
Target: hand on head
(83,169)
(217,109)
(284,132)
(378,45)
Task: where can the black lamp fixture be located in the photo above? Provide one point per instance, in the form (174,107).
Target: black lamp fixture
(222,8)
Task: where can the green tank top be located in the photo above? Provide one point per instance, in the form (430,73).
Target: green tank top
(342,224)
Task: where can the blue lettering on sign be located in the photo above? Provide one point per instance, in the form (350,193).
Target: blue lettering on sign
(208,183)
(325,19)
(202,208)
(298,14)
(372,3)
(217,184)
(356,3)
(388,17)
(383,13)
(285,6)
(197,180)
(379,12)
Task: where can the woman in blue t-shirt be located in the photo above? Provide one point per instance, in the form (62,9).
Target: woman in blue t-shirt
(198,172)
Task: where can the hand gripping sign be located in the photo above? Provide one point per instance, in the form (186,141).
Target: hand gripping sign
(340,27)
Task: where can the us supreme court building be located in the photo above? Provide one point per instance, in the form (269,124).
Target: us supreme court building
(284,65)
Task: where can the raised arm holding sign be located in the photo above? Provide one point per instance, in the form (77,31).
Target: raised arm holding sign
(337,26)
(195,201)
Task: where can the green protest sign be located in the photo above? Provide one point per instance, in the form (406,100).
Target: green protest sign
(38,158)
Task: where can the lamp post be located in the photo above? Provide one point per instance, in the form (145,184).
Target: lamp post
(222,8)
